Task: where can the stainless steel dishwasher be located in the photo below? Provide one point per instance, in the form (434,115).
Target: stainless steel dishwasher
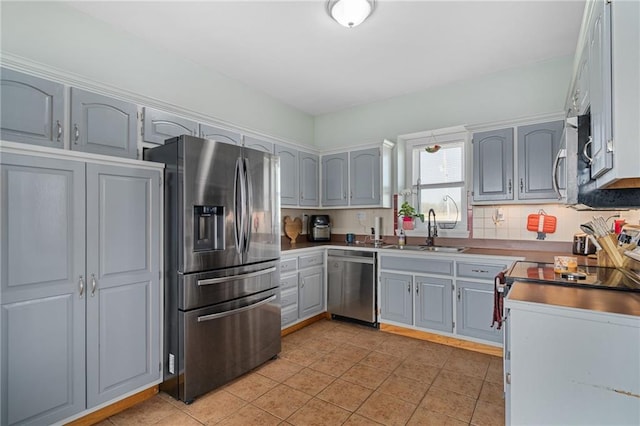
(352,285)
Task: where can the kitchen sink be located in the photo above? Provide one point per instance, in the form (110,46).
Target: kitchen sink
(442,249)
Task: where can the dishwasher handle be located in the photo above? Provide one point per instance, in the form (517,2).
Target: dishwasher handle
(352,259)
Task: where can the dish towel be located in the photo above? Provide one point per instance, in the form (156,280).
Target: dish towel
(497,301)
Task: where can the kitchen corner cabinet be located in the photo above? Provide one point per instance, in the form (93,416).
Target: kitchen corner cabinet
(289,182)
(31,110)
(259,144)
(302,286)
(535,153)
(159,126)
(103,125)
(335,179)
(220,135)
(299,177)
(80,285)
(309,179)
(358,178)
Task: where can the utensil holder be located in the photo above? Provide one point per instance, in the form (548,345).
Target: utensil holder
(611,254)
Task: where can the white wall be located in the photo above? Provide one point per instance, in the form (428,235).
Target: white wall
(537,89)
(63,40)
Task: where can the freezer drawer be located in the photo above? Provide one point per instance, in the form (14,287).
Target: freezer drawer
(225,341)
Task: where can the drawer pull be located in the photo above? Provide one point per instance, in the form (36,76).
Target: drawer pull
(480,271)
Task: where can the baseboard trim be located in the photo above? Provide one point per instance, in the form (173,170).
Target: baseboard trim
(304,323)
(444,340)
(115,408)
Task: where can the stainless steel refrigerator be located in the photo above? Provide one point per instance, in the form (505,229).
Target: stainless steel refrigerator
(221,257)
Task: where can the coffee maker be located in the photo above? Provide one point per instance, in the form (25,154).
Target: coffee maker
(319,228)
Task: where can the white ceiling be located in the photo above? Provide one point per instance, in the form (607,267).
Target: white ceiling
(294,52)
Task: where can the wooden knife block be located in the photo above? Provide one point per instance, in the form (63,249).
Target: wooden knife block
(612,255)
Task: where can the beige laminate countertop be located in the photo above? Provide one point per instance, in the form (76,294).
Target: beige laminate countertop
(599,300)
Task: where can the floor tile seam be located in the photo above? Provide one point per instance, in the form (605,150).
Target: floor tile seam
(411,402)
(204,422)
(360,384)
(333,379)
(452,391)
(373,393)
(458,371)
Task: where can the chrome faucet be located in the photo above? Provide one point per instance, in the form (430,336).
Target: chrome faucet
(431,231)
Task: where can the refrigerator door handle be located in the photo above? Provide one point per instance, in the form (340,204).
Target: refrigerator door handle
(238,208)
(237,311)
(236,277)
(249,208)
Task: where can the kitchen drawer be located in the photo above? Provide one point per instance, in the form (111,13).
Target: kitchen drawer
(311,260)
(479,270)
(288,296)
(412,264)
(288,265)
(288,281)
(289,315)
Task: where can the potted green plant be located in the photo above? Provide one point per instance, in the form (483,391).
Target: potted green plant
(408,214)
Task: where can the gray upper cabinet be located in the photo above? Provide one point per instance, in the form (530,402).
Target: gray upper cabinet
(259,144)
(474,308)
(582,96)
(159,126)
(434,309)
(396,297)
(289,183)
(538,145)
(335,179)
(123,289)
(364,175)
(103,125)
(42,229)
(80,285)
(220,135)
(493,165)
(31,110)
(600,88)
(309,185)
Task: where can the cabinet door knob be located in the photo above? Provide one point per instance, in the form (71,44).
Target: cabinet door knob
(507,378)
(417,289)
(81,286)
(76,133)
(459,295)
(509,186)
(409,287)
(521,185)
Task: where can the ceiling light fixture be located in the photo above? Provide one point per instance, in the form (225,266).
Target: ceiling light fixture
(350,13)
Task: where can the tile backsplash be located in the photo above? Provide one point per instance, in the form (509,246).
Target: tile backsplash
(513,223)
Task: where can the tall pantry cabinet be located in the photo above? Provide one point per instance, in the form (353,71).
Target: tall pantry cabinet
(79,283)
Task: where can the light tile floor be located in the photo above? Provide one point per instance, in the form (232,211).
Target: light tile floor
(334,373)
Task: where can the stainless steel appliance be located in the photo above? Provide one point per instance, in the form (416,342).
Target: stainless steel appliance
(574,162)
(319,228)
(352,285)
(222,245)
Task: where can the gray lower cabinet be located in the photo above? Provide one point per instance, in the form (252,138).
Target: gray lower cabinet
(493,165)
(475,310)
(31,110)
(311,291)
(396,297)
(289,182)
(220,135)
(335,179)
(309,184)
(159,126)
(433,303)
(103,125)
(538,145)
(79,286)
(364,177)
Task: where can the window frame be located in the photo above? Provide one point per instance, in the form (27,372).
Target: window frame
(453,135)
